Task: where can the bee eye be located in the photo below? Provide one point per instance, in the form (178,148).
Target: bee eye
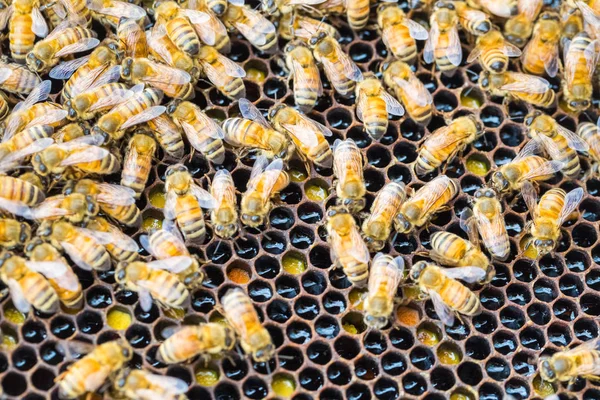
(489,193)
(255,218)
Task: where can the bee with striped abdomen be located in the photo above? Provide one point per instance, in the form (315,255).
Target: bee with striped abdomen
(141,384)
(570,364)
(304,73)
(225,74)
(190,341)
(499,8)
(224,216)
(209,27)
(384,277)
(513,85)
(348,167)
(74,207)
(493,52)
(18,190)
(132,37)
(15,78)
(25,22)
(257,29)
(540,56)
(178,26)
(13,233)
(173,82)
(580,56)
(24,139)
(377,227)
(110,12)
(120,246)
(590,133)
(399,32)
(443,43)
(163,49)
(518,28)
(357,12)
(476,22)
(138,163)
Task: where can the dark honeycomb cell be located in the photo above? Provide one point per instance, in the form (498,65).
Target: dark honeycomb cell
(577,261)
(584,235)
(497,369)
(89,322)
(298,332)
(310,213)
(319,353)
(281,218)
(518,294)
(260,291)
(532,338)
(306,307)
(485,322)
(585,329)
(311,379)
(512,318)
(590,304)
(375,343)
(255,388)
(51,353)
(504,342)
(565,309)
(339,374)
(386,389)
(414,384)
(14,384)
(559,335)
(517,388)
(539,313)
(327,327)
(477,348)
(544,290)
(24,358)
(34,332)
(301,237)
(99,297)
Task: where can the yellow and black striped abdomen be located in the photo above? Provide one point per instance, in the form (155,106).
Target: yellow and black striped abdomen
(566,155)
(245,133)
(70,36)
(357,272)
(79,74)
(545,99)
(190,217)
(105,166)
(494,59)
(459,297)
(440,53)
(128,215)
(163,246)
(184,36)
(551,204)
(93,254)
(434,152)
(590,133)
(21,36)
(232,87)
(73,381)
(375,117)
(38,292)
(168,135)
(449,245)
(211,147)
(19,190)
(28,136)
(135,174)
(172,292)
(306,94)
(587,363)
(400,43)
(340,82)
(357,12)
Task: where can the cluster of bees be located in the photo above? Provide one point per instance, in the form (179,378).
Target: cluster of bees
(116,97)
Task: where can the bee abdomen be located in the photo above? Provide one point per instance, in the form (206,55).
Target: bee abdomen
(21,36)
(448,244)
(358,13)
(401,44)
(129,215)
(494,60)
(184,36)
(376,121)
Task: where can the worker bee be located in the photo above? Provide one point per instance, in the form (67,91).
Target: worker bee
(71,131)
(20,190)
(559,142)
(590,12)
(254,132)
(23,140)
(513,85)
(452,250)
(526,166)
(493,52)
(571,22)
(224,216)
(499,8)
(185,201)
(417,100)
(447,294)
(166,243)
(243,318)
(15,78)
(209,28)
(223,73)
(348,169)
(304,73)
(171,81)
(299,26)
(203,133)
(138,163)
(446,142)
(474,21)
(308,136)
(13,233)
(590,133)
(338,66)
(110,12)
(399,32)
(156,280)
(518,28)
(489,222)
(553,209)
(74,207)
(428,200)
(374,105)
(258,30)
(178,26)
(143,106)
(568,365)
(540,56)
(141,384)
(27,284)
(167,133)
(348,249)
(385,276)
(377,227)
(58,11)
(190,341)
(64,40)
(443,43)
(357,12)
(264,183)
(25,23)
(120,246)
(163,49)
(60,276)
(89,373)
(84,250)
(581,56)
(81,154)
(132,37)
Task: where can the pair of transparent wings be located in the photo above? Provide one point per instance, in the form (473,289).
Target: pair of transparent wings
(204,198)
(453,51)
(571,201)
(530,149)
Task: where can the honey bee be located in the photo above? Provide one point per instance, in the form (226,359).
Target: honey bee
(166,243)
(447,294)
(243,318)
(84,250)
(377,227)
(141,384)
(581,56)
(474,21)
(568,365)
(518,28)
(208,26)
(417,100)
(61,276)
(452,250)
(185,201)
(571,22)
(493,52)
(224,216)
(428,200)
(74,207)
(81,154)
(89,373)
(540,56)
(24,139)
(553,209)
(348,249)
(443,43)
(590,13)
(308,136)
(446,142)
(264,183)
(132,37)
(190,341)
(338,66)
(13,233)
(156,280)
(513,85)
(203,133)
(559,142)
(71,131)
(590,133)
(357,12)
(298,26)
(15,78)
(223,73)
(385,276)
(143,106)
(254,132)
(499,8)
(258,30)
(171,81)
(58,11)
(399,32)
(168,135)
(120,246)
(163,49)
(64,40)
(178,26)
(110,12)
(374,105)
(348,170)
(27,284)
(304,73)
(138,163)
(25,23)
(21,191)
(489,222)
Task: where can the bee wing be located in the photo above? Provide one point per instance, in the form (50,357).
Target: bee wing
(415,90)
(159,31)
(443,137)
(56,270)
(17,296)
(416,30)
(118,96)
(511,50)
(115,194)
(144,295)
(435,189)
(118,9)
(82,142)
(169,383)
(16,208)
(589,15)
(82,45)
(114,237)
(174,264)
(527,84)
(441,309)
(572,200)
(550,59)
(454,50)
(256,28)
(73,253)
(259,166)
(164,74)
(89,154)
(51,207)
(205,199)
(393,106)
(146,244)
(145,116)
(48,118)
(304,131)
(38,26)
(361,104)
(351,70)
(357,247)
(133,36)
(575,142)
(64,70)
(531,148)
(215,131)
(303,79)
(591,345)
(85,82)
(270,179)
(170,204)
(530,197)
(468,224)
(431,43)
(231,68)
(39,93)
(476,52)
(196,17)
(5,16)
(529,8)
(8,161)
(548,168)
(466,274)
(249,111)
(5,73)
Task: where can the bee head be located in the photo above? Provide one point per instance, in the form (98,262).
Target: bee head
(484,80)
(45,229)
(375,322)
(499,182)
(373,243)
(483,27)
(32,244)
(265,353)
(34,63)
(417,270)
(126,68)
(253,220)
(24,233)
(96,130)
(126,349)
(530,118)
(172,106)
(444,4)
(317,38)
(275,109)
(485,192)
(546,370)
(230,338)
(226,231)
(218,9)
(578,105)
(402,224)
(121,379)
(121,273)
(4,256)
(543,246)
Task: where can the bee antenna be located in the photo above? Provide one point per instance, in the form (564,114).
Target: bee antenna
(268,366)
(285,357)
(469,90)
(218,245)
(561,119)
(587,116)
(473,73)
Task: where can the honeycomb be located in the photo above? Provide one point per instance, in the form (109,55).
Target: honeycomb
(311,311)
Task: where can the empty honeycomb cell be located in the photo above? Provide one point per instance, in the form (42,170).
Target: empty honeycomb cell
(584,235)
(565,309)
(339,374)
(405,152)
(404,244)
(559,335)
(275,88)
(360,137)
(246,247)
(422,358)
(89,322)
(524,270)
(33,332)
(545,290)
(290,358)
(532,338)
(458,331)
(260,291)
(361,52)
(24,358)
(255,388)
(319,353)
(152,359)
(146,316)
(311,379)
(585,329)
(577,261)
(442,379)
(338,279)
(379,156)
(411,130)
(203,301)
(512,317)
(593,187)
(334,302)
(590,304)
(298,332)
(539,313)
(314,283)
(226,391)
(504,342)
(374,180)
(42,379)
(310,213)
(414,384)
(346,347)
(477,348)
(287,287)
(279,311)
(51,354)
(511,135)
(551,266)
(517,388)
(524,364)
(267,267)
(491,298)
(339,118)
(99,297)
(265,368)
(386,389)
(445,101)
(14,384)
(306,307)
(592,279)
(126,297)
(590,210)
(138,336)
(570,285)
(497,369)
(470,373)
(214,276)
